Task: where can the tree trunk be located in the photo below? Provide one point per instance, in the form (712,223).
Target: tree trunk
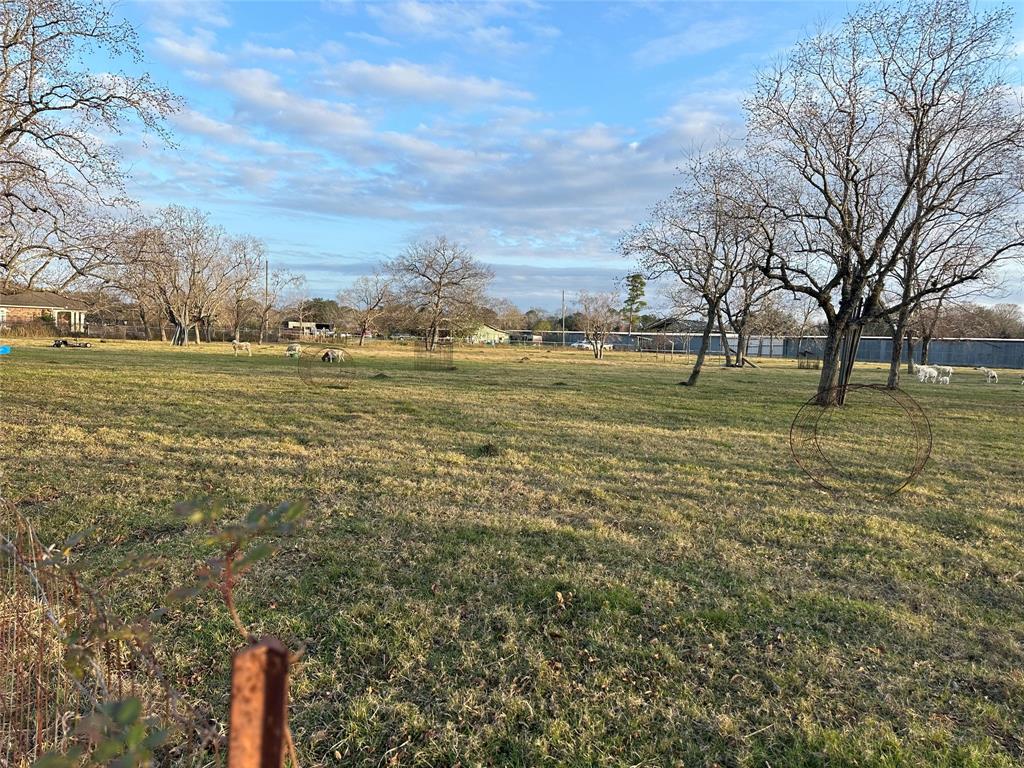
(895,358)
(926,341)
(910,351)
(899,332)
(724,340)
(741,347)
(180,337)
(830,365)
(705,342)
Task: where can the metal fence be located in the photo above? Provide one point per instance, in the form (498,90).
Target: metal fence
(992,353)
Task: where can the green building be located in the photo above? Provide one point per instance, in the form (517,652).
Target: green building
(486,334)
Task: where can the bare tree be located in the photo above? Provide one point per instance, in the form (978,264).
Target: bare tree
(248,255)
(873,133)
(750,293)
(368,298)
(998,321)
(773,317)
(55,169)
(442,282)
(702,235)
(133,274)
(506,314)
(185,263)
(599,315)
(275,286)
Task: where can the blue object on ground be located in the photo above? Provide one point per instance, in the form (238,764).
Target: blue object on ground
(5,350)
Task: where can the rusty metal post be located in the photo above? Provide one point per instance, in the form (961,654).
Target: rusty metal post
(259,706)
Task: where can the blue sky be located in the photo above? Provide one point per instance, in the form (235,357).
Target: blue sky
(534,133)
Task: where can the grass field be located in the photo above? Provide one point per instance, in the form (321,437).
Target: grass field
(552,560)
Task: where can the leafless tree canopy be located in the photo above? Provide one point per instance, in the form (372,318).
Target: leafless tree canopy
(893,141)
(599,315)
(57,176)
(702,236)
(442,283)
(188,270)
(367,299)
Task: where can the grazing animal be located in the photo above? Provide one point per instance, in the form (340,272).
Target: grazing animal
(927,373)
(293,350)
(241,345)
(1022,379)
(332,356)
(944,370)
(943,379)
(991,377)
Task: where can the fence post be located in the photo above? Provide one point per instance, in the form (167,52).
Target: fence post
(259,706)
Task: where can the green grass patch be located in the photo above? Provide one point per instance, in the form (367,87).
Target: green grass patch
(552,561)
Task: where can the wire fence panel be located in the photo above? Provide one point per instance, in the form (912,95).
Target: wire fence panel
(62,655)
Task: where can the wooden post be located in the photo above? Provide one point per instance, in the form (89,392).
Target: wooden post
(259,706)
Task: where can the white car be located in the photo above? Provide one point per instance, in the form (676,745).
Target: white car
(581,345)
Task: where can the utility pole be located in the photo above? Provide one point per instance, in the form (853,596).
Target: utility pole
(266,299)
(563,318)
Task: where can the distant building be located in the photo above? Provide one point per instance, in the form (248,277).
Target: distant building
(486,334)
(295,328)
(66,314)
(526,337)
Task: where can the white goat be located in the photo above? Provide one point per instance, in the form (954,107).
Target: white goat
(927,373)
(241,345)
(944,370)
(293,350)
(991,377)
(943,379)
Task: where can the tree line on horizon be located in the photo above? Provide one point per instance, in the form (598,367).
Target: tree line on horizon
(877,186)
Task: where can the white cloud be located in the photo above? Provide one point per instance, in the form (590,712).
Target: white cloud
(193,49)
(262,99)
(370,38)
(471,23)
(412,81)
(196,123)
(208,13)
(699,37)
(502,179)
(269,52)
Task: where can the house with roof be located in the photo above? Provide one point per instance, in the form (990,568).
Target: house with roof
(487,334)
(40,306)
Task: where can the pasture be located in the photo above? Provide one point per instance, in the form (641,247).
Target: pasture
(551,560)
